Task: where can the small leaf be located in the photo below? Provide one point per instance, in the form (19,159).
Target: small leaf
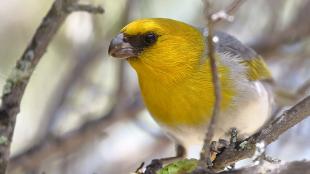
(179,167)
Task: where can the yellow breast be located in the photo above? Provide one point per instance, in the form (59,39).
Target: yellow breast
(187,102)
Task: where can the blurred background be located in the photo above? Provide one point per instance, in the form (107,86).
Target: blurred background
(82,112)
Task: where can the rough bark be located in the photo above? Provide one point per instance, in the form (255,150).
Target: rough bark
(19,78)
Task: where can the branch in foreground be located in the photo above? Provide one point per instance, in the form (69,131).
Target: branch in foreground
(15,85)
(294,167)
(266,134)
(187,165)
(205,152)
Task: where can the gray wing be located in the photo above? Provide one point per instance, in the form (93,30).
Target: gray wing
(227,44)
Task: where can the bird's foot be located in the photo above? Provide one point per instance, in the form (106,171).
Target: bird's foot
(152,168)
(214,149)
(233,138)
(218,147)
(232,143)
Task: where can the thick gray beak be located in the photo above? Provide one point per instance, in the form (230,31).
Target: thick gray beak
(121,49)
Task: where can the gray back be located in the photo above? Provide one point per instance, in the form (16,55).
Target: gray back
(227,44)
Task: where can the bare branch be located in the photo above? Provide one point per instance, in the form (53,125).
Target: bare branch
(267,134)
(228,12)
(288,119)
(86,8)
(19,78)
(205,153)
(286,168)
(187,165)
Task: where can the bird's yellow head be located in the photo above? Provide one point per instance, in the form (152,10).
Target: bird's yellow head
(160,48)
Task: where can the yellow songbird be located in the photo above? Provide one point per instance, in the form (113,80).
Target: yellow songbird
(170,58)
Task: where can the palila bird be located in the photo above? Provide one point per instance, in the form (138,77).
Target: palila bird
(176,84)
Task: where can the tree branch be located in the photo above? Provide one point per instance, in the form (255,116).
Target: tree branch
(188,165)
(85,8)
(227,13)
(286,168)
(267,134)
(205,153)
(16,83)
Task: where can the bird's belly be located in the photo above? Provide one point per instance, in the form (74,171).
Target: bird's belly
(247,118)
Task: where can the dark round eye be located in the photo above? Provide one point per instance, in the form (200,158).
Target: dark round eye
(149,38)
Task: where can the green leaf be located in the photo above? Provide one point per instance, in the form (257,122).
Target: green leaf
(179,167)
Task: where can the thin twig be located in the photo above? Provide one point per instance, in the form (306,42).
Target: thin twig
(228,12)
(233,7)
(16,84)
(205,153)
(86,8)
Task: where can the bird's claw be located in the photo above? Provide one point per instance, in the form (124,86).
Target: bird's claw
(233,137)
(152,168)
